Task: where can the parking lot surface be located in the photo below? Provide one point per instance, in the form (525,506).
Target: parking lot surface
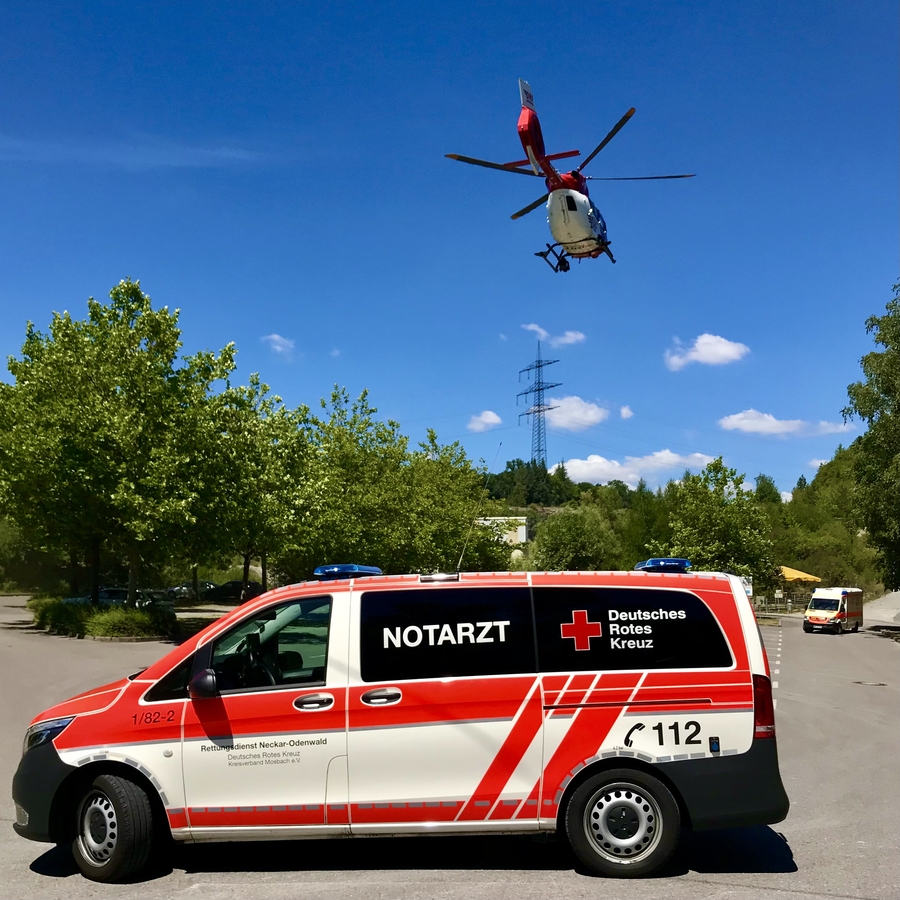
(837,702)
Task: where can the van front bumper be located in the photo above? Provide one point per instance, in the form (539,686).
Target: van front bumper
(36,784)
(731,791)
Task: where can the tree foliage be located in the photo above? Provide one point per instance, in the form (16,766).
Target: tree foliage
(876,400)
(579,538)
(717,525)
(92,444)
(110,441)
(378,502)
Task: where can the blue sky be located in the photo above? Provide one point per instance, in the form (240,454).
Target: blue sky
(277,172)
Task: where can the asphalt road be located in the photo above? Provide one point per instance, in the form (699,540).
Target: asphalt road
(837,741)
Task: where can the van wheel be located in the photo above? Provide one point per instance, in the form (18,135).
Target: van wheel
(114,829)
(623,823)
(840,628)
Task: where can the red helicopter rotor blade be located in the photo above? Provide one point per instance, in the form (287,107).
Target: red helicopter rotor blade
(489,165)
(530,207)
(639,177)
(615,130)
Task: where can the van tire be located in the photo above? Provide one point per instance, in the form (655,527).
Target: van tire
(623,823)
(113,829)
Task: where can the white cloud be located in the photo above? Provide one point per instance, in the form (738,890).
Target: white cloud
(708,349)
(626,412)
(565,339)
(754,422)
(786,496)
(503,337)
(542,333)
(815,463)
(484,421)
(138,153)
(751,421)
(574,414)
(335,352)
(281,345)
(599,470)
(822,427)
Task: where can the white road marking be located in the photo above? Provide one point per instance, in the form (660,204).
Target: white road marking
(774,684)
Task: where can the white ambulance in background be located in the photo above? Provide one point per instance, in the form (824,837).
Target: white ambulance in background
(611,707)
(834,609)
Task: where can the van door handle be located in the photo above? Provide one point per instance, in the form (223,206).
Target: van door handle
(311,702)
(382,696)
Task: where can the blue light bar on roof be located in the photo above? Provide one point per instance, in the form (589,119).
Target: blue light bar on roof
(345,570)
(664,564)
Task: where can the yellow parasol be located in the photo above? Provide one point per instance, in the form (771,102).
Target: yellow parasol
(789,574)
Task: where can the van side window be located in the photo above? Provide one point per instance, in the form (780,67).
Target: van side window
(174,685)
(280,645)
(445,632)
(626,628)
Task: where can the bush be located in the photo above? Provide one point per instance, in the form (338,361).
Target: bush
(579,538)
(118,621)
(79,620)
(59,617)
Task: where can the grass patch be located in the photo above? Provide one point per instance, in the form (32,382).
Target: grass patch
(79,620)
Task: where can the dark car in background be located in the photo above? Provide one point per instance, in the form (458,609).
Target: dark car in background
(186,589)
(230,592)
(112,596)
(118,596)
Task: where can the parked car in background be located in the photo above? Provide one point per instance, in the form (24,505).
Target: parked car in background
(107,597)
(155,599)
(186,589)
(231,592)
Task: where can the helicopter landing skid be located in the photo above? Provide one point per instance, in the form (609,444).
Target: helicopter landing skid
(560,259)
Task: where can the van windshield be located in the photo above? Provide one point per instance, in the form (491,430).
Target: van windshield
(822,603)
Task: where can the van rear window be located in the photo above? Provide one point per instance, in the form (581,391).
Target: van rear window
(620,628)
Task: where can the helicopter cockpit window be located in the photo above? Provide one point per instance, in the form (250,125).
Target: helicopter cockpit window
(570,203)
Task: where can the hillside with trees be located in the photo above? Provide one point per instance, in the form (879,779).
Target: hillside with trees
(120,459)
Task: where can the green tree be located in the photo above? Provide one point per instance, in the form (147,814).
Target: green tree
(92,448)
(576,538)
(876,400)
(819,530)
(718,525)
(373,500)
(261,471)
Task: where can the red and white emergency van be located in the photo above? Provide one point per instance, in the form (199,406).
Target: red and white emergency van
(613,707)
(834,609)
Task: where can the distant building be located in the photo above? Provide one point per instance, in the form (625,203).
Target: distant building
(513,528)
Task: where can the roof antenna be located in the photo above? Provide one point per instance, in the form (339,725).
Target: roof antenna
(478,508)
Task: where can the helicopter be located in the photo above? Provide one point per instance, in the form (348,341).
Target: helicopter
(578,228)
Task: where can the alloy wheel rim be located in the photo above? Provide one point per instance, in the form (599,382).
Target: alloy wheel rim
(623,823)
(98,831)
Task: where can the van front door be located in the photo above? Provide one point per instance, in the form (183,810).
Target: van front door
(264,752)
(444,710)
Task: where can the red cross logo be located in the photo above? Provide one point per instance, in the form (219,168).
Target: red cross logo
(581,630)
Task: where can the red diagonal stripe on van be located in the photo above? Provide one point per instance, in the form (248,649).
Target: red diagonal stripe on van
(507,759)
(428,702)
(584,738)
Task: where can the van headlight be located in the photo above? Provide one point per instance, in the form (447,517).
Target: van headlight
(44,732)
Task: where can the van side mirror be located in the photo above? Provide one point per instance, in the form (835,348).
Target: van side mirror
(203,685)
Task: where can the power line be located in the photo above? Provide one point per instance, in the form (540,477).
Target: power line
(538,407)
